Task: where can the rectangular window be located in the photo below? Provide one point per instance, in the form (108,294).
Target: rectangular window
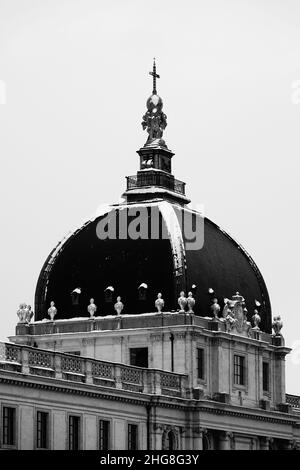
(42,422)
(74,432)
(200,363)
(266,382)
(9,426)
(104,428)
(132,437)
(239,370)
(139,357)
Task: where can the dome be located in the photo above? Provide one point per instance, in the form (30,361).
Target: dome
(163,260)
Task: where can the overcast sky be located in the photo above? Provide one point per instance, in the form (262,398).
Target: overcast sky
(73,86)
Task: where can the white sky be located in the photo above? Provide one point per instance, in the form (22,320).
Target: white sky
(76,79)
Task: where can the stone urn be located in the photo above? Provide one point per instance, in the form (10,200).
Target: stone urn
(52,311)
(277,325)
(29,314)
(119,306)
(182,302)
(215,308)
(22,313)
(226,310)
(256,320)
(92,308)
(191,302)
(159,303)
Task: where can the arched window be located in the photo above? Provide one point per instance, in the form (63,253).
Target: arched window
(169,440)
(205,442)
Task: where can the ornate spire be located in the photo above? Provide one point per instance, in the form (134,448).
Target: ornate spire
(155,76)
(154,178)
(154,121)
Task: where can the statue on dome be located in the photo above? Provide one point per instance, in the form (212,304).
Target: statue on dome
(159,303)
(226,309)
(191,302)
(240,325)
(277,325)
(154,121)
(52,310)
(119,306)
(182,302)
(92,308)
(230,321)
(228,315)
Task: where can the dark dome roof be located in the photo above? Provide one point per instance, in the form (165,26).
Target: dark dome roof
(167,264)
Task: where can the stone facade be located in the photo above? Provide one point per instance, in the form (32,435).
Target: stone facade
(182,400)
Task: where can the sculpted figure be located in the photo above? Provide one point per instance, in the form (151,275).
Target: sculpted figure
(230,321)
(256,319)
(247,328)
(159,303)
(182,302)
(52,311)
(92,308)
(226,310)
(119,306)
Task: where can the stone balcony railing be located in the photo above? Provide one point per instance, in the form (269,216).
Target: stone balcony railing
(124,322)
(155,178)
(72,368)
(293,400)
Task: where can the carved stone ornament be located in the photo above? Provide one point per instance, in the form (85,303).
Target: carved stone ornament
(154,121)
(29,314)
(228,315)
(182,302)
(226,309)
(240,325)
(191,302)
(170,433)
(277,325)
(92,308)
(215,308)
(159,303)
(2,352)
(158,427)
(52,311)
(119,306)
(22,313)
(256,320)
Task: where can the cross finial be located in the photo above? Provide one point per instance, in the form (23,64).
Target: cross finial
(155,76)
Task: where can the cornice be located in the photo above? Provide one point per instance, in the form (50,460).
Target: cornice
(162,401)
(112,394)
(243,414)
